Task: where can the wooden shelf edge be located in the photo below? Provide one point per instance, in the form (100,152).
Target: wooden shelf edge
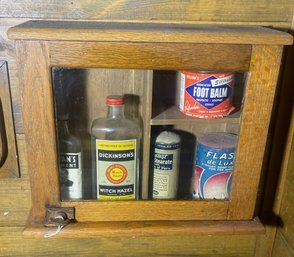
(172,116)
(147,228)
(153,32)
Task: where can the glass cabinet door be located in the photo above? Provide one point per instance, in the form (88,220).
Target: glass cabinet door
(170,124)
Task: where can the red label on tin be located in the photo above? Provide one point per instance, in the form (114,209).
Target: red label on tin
(206,95)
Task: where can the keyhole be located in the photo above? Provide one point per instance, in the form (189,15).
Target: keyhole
(60,217)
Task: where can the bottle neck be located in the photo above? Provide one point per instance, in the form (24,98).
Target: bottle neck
(63,127)
(115,111)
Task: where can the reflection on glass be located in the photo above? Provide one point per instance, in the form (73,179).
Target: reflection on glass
(80,95)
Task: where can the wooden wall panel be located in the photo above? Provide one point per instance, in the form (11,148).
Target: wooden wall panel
(281,247)
(278,159)
(206,246)
(7,53)
(251,11)
(277,213)
(15,193)
(8,155)
(287,208)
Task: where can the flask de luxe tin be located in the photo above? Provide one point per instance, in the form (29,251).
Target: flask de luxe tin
(205,94)
(215,156)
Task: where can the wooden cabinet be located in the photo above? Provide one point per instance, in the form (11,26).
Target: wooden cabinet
(148,55)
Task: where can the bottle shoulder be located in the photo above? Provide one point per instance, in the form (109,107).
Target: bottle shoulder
(114,122)
(69,144)
(115,128)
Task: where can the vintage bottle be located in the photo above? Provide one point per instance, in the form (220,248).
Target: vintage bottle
(116,144)
(166,165)
(70,162)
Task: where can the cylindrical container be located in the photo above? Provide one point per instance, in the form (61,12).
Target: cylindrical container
(116,144)
(70,162)
(166,165)
(206,94)
(214,165)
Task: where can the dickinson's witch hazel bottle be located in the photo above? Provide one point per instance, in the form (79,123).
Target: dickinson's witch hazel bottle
(116,143)
(70,162)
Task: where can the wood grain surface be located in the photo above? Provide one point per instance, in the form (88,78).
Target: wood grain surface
(146,32)
(148,210)
(281,246)
(287,205)
(39,129)
(256,113)
(173,115)
(15,196)
(264,12)
(150,55)
(147,110)
(15,193)
(149,228)
(130,246)
(8,154)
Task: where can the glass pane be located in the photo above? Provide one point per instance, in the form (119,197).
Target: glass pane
(80,97)
(200,113)
(157,142)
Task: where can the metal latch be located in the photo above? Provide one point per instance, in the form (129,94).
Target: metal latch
(59,216)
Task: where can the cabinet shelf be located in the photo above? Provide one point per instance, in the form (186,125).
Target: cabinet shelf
(172,116)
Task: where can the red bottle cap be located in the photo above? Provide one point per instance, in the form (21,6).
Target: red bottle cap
(114,100)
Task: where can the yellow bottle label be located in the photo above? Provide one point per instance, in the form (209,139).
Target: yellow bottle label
(116,169)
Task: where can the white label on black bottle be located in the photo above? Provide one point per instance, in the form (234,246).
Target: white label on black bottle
(70,173)
(116,169)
